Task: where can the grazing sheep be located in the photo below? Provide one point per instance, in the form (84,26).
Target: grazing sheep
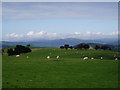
(57,57)
(17,55)
(48,57)
(27,56)
(101,58)
(92,58)
(85,58)
(116,58)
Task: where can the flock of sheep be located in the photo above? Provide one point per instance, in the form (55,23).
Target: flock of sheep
(48,57)
(57,57)
(19,56)
(85,58)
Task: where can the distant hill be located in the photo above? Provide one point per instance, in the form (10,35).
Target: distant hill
(6,44)
(58,42)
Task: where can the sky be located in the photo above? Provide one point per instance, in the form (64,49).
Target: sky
(0,21)
(60,0)
(59,20)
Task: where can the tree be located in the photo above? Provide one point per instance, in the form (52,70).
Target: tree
(86,46)
(28,45)
(61,47)
(27,49)
(80,46)
(97,47)
(70,47)
(22,49)
(105,47)
(18,50)
(66,46)
(10,52)
(110,48)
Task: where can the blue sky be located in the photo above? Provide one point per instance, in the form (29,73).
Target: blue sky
(52,20)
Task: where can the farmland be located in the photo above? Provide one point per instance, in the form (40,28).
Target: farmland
(70,71)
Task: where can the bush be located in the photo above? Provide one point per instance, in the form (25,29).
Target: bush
(105,47)
(61,47)
(83,46)
(66,46)
(18,50)
(97,47)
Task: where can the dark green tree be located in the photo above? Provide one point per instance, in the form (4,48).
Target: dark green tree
(10,52)
(66,46)
(28,45)
(97,47)
(80,46)
(18,50)
(105,47)
(61,47)
(70,47)
(86,46)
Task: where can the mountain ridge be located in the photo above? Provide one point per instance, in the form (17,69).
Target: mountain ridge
(57,42)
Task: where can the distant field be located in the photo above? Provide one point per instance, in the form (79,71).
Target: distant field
(70,71)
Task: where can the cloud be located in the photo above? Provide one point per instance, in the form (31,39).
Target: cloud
(59,10)
(30,33)
(114,33)
(13,35)
(44,35)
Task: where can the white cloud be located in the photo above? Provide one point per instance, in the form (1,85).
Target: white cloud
(113,33)
(41,35)
(13,35)
(30,33)
(93,33)
(77,33)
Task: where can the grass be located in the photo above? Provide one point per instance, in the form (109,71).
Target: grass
(68,72)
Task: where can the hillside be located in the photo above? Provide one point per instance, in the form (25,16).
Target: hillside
(58,42)
(70,71)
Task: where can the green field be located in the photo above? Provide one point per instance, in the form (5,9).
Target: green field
(70,71)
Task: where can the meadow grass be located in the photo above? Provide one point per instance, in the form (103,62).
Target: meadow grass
(70,71)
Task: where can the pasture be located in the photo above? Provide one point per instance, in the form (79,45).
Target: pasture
(70,71)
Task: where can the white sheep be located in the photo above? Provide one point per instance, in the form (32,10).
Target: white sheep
(27,56)
(101,58)
(85,58)
(17,55)
(57,57)
(116,58)
(48,57)
(92,58)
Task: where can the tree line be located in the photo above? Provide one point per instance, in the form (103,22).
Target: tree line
(79,46)
(85,46)
(19,49)
(103,47)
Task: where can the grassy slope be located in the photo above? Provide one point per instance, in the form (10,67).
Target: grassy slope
(69,72)
(0,71)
